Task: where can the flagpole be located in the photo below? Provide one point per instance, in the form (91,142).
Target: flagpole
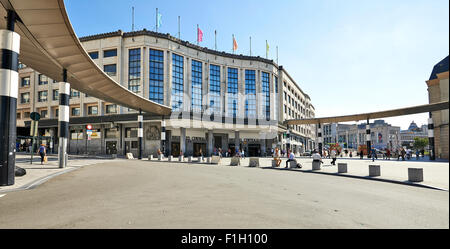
(197,35)
(215,40)
(232,44)
(277,55)
(179,28)
(266,50)
(132,18)
(250,46)
(156,20)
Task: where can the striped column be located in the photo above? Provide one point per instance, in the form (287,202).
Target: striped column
(9,79)
(140,132)
(163,136)
(63,120)
(319,138)
(368,137)
(431,138)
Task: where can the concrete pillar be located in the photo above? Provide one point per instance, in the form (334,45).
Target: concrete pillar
(140,133)
(319,138)
(9,86)
(236,140)
(210,142)
(369,145)
(163,136)
(431,138)
(63,120)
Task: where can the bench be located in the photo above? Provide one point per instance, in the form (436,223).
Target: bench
(293,164)
(215,159)
(254,162)
(415,175)
(129,155)
(342,168)
(374,170)
(316,165)
(235,161)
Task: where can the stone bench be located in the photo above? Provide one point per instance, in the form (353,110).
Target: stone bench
(415,175)
(316,165)
(293,164)
(374,170)
(254,162)
(215,159)
(342,168)
(235,161)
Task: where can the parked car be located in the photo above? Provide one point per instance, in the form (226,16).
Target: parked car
(307,153)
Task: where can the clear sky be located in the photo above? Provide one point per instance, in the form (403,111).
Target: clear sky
(349,56)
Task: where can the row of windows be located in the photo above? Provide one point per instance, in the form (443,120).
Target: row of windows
(134,70)
(106,53)
(75,111)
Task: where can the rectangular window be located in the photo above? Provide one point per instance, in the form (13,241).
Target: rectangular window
(177,82)
(24,98)
(111,109)
(111,133)
(156,82)
(131,132)
(134,70)
(275,101)
(55,94)
(214,89)
(44,113)
(110,53)
(42,96)
(232,90)
(43,80)
(92,110)
(250,94)
(75,111)
(110,69)
(197,86)
(74,93)
(56,112)
(266,94)
(18,115)
(25,81)
(94,55)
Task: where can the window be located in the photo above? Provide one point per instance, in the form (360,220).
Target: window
(134,69)
(197,86)
(43,80)
(92,110)
(74,93)
(94,55)
(24,98)
(18,115)
(232,89)
(111,133)
(110,53)
(156,82)
(26,114)
(56,112)
(25,81)
(55,94)
(75,111)
(131,132)
(250,94)
(266,95)
(44,113)
(111,109)
(177,82)
(42,96)
(214,89)
(110,69)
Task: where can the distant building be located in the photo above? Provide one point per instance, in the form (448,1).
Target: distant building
(437,92)
(413,131)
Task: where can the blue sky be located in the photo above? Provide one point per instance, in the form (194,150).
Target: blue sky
(349,56)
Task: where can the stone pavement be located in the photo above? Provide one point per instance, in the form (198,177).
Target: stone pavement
(436,174)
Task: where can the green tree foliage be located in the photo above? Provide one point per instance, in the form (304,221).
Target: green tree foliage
(420,143)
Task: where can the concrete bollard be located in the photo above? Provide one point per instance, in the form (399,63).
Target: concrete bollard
(190,159)
(342,168)
(170,158)
(316,165)
(274,163)
(181,158)
(150,157)
(253,162)
(374,170)
(160,157)
(208,160)
(415,175)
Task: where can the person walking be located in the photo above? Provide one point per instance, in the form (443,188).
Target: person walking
(373,154)
(333,156)
(42,152)
(388,154)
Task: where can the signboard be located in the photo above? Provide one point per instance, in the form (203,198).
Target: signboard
(34,128)
(35,116)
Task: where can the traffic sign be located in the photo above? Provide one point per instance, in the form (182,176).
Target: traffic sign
(35,116)
(89,127)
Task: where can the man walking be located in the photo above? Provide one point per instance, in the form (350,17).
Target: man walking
(333,156)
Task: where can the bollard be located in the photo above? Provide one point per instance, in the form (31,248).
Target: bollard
(274,163)
(190,159)
(374,170)
(342,168)
(170,158)
(150,157)
(181,158)
(415,175)
(208,160)
(160,157)
(316,165)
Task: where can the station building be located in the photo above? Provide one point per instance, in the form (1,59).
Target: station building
(218,100)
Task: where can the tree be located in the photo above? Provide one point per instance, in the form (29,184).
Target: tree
(420,143)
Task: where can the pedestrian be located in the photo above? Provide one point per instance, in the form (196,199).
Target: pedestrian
(388,154)
(417,154)
(373,154)
(42,153)
(291,158)
(333,156)
(316,157)
(361,154)
(276,157)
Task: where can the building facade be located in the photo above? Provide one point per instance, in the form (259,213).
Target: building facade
(218,100)
(437,92)
(413,131)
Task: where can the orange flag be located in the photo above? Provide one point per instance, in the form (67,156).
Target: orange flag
(235,46)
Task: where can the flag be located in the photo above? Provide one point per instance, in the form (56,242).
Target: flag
(159,18)
(267,48)
(235,45)
(199,35)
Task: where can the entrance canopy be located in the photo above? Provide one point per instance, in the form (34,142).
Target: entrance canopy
(373,115)
(48,44)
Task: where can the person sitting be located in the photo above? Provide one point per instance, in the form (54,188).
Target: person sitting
(316,157)
(276,157)
(291,158)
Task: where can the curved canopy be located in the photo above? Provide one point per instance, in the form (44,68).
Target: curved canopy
(48,44)
(373,115)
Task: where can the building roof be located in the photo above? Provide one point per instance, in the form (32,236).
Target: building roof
(442,66)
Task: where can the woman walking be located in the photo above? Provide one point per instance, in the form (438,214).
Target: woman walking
(42,152)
